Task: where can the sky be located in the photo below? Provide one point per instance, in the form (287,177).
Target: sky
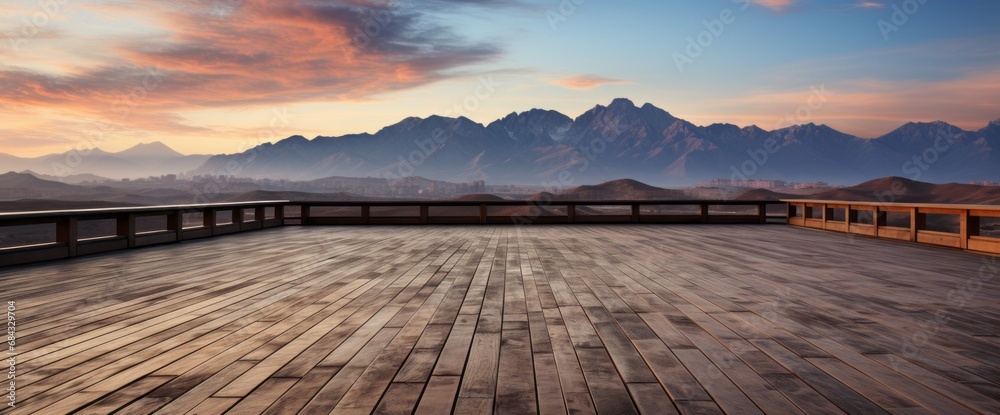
(219,76)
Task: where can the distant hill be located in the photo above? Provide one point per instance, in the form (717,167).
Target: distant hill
(622,189)
(904,190)
(14,180)
(263,195)
(32,205)
(479,197)
(764,194)
(894,189)
(70,179)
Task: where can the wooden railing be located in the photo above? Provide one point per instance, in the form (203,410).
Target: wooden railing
(59,234)
(872,219)
(528,212)
(61,237)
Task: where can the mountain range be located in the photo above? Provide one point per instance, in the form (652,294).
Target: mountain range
(544,147)
(142,160)
(622,140)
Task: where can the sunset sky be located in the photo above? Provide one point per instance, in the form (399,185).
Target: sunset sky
(212,76)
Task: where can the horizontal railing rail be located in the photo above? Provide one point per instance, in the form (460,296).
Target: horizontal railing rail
(27,237)
(533,212)
(48,235)
(951,225)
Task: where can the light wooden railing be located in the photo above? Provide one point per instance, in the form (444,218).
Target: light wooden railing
(185,222)
(845,216)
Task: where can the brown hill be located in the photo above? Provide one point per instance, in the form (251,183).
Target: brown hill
(623,189)
(902,190)
(479,197)
(13,180)
(261,195)
(764,194)
(35,205)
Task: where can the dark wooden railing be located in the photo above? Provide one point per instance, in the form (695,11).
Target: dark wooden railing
(961,223)
(60,234)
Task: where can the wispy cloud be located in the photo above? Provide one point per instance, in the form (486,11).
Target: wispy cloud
(585,81)
(257,52)
(869,5)
(872,107)
(776,5)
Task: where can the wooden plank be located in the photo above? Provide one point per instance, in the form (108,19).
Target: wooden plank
(606,386)
(838,393)
(651,399)
(515,391)
(399,399)
(439,396)
(263,397)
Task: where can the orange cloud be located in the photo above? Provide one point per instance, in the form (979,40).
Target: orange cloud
(238,53)
(776,5)
(583,82)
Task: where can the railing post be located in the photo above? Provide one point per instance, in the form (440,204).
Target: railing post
(279,214)
(366,214)
(704,212)
(789,211)
(237,216)
(570,213)
(258,215)
(482,213)
(850,216)
(762,212)
(424,213)
(964,222)
(917,223)
(208,219)
(67,232)
(826,214)
(635,213)
(304,213)
(175,222)
(130,229)
(971,224)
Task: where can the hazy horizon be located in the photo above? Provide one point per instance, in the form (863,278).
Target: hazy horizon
(202,77)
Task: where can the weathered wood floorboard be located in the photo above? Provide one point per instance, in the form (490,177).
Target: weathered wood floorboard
(504,319)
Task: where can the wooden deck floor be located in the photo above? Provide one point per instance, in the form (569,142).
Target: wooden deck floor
(548,319)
